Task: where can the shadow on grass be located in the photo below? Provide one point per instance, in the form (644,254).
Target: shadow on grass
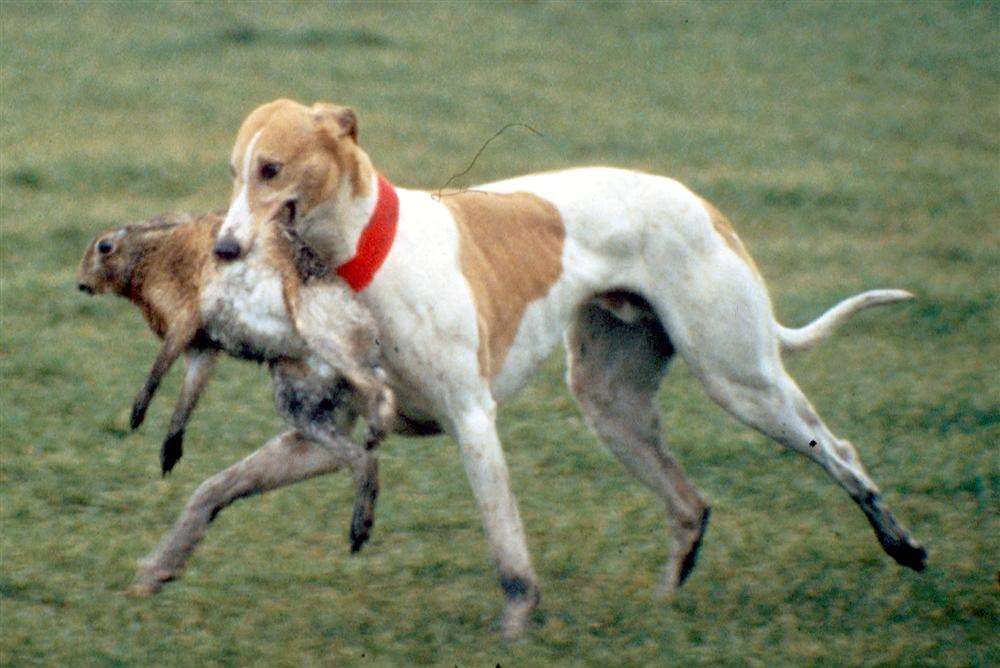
(245,35)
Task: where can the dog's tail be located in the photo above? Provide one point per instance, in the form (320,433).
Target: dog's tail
(793,340)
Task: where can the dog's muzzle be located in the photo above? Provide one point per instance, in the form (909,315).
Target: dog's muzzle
(227,248)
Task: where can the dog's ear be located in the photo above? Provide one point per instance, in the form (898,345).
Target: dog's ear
(336,121)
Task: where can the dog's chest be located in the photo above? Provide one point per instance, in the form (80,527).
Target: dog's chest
(244,311)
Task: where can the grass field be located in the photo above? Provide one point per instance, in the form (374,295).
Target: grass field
(853,145)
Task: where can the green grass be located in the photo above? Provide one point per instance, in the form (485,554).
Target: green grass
(853,145)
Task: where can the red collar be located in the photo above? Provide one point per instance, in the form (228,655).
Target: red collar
(376,239)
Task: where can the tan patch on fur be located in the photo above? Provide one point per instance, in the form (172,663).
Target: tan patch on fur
(510,252)
(728,234)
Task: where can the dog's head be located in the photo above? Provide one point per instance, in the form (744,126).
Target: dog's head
(290,163)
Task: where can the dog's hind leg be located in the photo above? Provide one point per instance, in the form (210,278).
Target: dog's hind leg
(285,459)
(724,327)
(614,370)
(774,405)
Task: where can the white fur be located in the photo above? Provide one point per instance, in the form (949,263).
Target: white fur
(247,297)
(626,231)
(610,216)
(239,222)
(322,224)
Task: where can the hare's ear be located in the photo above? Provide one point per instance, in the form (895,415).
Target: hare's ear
(335,122)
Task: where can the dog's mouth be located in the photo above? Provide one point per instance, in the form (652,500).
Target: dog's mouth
(286,216)
(84,288)
(307,263)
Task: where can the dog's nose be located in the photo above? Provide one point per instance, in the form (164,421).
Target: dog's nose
(83,287)
(227,248)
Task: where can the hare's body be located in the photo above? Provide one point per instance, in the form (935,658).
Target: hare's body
(166,268)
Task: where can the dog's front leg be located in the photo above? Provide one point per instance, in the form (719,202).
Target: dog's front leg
(484,463)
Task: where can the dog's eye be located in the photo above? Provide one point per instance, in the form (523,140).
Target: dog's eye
(104,246)
(269,170)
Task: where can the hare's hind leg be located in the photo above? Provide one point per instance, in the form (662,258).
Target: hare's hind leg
(285,459)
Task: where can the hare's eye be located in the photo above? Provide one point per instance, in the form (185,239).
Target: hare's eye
(104,246)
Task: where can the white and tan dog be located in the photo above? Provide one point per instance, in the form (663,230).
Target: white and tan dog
(472,290)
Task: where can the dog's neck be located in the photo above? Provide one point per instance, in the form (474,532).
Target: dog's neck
(332,228)
(353,233)
(376,239)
